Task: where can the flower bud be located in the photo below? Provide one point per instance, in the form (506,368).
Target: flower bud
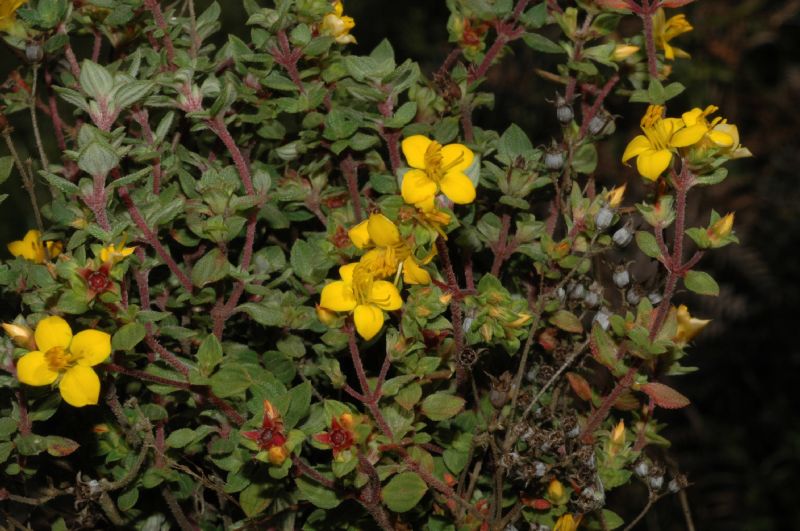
(617,438)
(325,316)
(615,195)
(21,335)
(721,229)
(604,218)
(623,236)
(564,111)
(621,277)
(277,455)
(623,51)
(556,492)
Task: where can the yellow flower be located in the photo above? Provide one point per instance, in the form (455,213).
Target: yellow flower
(567,523)
(653,150)
(696,123)
(736,150)
(113,254)
(277,455)
(665,30)
(688,326)
(360,293)
(431,217)
(65,358)
(623,51)
(8,10)
(434,168)
(30,247)
(338,26)
(389,250)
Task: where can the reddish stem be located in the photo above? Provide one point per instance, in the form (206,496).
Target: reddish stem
(501,248)
(349,168)
(455,301)
(217,125)
(598,102)
(646,14)
(142,375)
(152,239)
(158,16)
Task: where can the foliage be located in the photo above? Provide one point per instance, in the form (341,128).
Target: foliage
(324,286)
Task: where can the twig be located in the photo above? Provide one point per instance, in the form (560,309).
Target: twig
(27,179)
(35,122)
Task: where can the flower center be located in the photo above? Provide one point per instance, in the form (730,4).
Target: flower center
(655,128)
(58,359)
(433,162)
(362,284)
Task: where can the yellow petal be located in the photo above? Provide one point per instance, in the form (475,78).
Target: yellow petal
(80,386)
(720,138)
(90,347)
(414,148)
(457,186)
(32,369)
(652,163)
(368,319)
(636,147)
(690,117)
(29,247)
(382,231)
(52,332)
(384,295)
(413,273)
(337,296)
(417,187)
(689,136)
(346,272)
(359,235)
(730,130)
(457,157)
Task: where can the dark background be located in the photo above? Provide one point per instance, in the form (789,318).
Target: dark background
(739,441)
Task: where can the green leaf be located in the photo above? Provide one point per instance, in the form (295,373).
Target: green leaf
(403,492)
(209,355)
(442,406)
(309,262)
(127,500)
(96,81)
(180,438)
(8,427)
(567,321)
(701,282)
(97,159)
(60,446)
(318,495)
(254,500)
(648,244)
(128,336)
(612,519)
(540,43)
(130,92)
(5,450)
(6,164)
(30,444)
(585,159)
(212,267)
(513,143)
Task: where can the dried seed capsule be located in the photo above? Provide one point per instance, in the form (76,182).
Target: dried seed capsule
(641,469)
(623,236)
(655,298)
(656,482)
(603,318)
(633,296)
(554,158)
(34,52)
(592,299)
(604,218)
(564,111)
(673,486)
(621,277)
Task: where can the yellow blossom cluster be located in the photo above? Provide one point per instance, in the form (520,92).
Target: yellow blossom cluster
(337,25)
(663,138)
(362,288)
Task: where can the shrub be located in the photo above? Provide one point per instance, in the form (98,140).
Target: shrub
(271,279)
